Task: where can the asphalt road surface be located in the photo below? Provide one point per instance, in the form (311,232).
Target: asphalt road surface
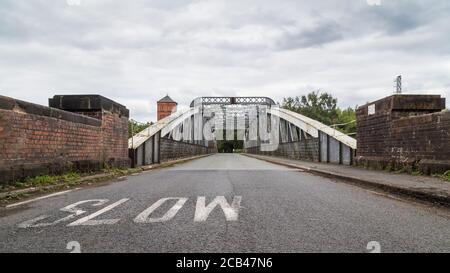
(224,203)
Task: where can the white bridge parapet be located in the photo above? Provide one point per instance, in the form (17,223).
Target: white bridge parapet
(312,127)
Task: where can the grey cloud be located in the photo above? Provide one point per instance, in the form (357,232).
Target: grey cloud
(395,17)
(137,51)
(322,33)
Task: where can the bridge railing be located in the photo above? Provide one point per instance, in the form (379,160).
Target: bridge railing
(319,142)
(150,147)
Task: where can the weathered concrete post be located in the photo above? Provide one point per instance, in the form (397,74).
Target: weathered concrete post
(404,132)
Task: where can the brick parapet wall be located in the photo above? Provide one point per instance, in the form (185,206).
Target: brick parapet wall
(37,140)
(405,132)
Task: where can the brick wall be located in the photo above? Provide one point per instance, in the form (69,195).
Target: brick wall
(115,138)
(171,149)
(306,149)
(37,140)
(404,132)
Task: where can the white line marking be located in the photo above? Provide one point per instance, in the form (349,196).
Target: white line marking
(231,212)
(40,198)
(87,221)
(386,195)
(144,216)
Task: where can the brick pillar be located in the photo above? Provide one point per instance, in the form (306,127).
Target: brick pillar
(114,117)
(394,132)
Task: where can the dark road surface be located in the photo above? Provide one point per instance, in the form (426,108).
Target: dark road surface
(260,208)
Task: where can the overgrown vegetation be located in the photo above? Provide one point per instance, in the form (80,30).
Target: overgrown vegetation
(50,183)
(322,106)
(46,180)
(69,179)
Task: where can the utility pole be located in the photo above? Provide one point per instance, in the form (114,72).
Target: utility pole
(398,85)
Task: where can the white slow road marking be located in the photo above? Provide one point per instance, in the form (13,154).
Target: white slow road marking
(87,221)
(70,208)
(40,198)
(231,212)
(202,212)
(144,216)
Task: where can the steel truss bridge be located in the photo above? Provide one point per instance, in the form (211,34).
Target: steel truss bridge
(263,126)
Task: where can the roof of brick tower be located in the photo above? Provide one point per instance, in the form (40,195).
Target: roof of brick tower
(167,99)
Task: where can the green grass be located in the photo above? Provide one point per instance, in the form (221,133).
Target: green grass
(44,183)
(46,180)
(70,178)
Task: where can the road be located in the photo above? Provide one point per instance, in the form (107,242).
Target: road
(267,208)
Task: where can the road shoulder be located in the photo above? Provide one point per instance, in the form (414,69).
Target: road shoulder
(423,188)
(23,195)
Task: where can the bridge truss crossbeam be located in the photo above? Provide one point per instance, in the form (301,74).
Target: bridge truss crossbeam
(232,100)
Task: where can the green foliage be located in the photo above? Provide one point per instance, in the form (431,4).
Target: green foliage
(135,127)
(316,105)
(347,118)
(322,107)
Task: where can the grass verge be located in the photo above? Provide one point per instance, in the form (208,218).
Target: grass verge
(50,183)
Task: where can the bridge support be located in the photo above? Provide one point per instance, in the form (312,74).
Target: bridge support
(333,151)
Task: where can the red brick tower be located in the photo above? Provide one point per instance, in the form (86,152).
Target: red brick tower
(166,106)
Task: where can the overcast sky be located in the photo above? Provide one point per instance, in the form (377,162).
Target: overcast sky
(135,52)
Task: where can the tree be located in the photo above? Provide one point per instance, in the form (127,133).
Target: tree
(347,120)
(316,105)
(135,127)
(322,106)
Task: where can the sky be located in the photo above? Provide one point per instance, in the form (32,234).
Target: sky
(136,52)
